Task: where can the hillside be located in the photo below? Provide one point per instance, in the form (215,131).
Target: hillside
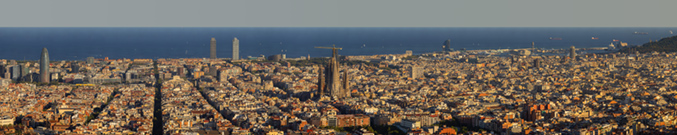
(664,45)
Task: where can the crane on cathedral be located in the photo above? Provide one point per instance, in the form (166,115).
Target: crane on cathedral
(333,49)
(329,78)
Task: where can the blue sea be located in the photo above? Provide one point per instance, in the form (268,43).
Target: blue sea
(134,42)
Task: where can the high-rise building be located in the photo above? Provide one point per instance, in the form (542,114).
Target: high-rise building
(24,75)
(236,49)
(447,45)
(16,72)
(44,66)
(212,49)
(416,72)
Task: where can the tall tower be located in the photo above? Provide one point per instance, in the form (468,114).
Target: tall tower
(44,66)
(212,49)
(236,49)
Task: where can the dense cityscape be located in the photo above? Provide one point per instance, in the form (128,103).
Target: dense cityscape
(504,91)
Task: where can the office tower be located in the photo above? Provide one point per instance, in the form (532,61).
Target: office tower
(44,66)
(447,45)
(236,49)
(16,72)
(25,72)
(212,49)
(532,46)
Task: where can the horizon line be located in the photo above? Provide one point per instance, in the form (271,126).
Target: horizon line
(335,27)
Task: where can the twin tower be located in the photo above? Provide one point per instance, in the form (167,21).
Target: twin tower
(236,49)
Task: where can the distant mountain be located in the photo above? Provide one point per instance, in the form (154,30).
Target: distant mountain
(664,45)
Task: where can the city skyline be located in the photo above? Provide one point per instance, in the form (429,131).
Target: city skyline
(305,13)
(429,67)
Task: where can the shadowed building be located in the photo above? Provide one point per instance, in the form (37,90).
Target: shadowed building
(212,49)
(236,49)
(537,63)
(16,72)
(44,66)
(75,68)
(320,81)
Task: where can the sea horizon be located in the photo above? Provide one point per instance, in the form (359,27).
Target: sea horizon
(77,43)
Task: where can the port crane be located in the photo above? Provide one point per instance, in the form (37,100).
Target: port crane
(333,49)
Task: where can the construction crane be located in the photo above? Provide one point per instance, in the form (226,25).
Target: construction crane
(333,49)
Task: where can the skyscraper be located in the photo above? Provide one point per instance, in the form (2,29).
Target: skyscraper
(44,66)
(236,49)
(212,49)
(16,72)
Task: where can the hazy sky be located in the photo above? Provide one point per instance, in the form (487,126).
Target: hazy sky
(343,13)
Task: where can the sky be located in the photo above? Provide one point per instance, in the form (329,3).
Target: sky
(343,13)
